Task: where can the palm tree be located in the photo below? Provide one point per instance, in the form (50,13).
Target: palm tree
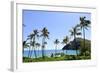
(25,45)
(35,33)
(56,42)
(84,24)
(30,44)
(45,43)
(37,46)
(75,32)
(65,41)
(45,34)
(33,37)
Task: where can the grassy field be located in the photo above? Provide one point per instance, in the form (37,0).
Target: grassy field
(62,58)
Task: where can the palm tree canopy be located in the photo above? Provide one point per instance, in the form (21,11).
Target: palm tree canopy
(75,31)
(24,42)
(45,32)
(65,40)
(84,23)
(35,32)
(37,44)
(25,45)
(33,43)
(45,42)
(56,41)
(31,36)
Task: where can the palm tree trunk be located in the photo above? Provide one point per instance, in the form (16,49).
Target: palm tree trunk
(75,44)
(33,48)
(38,52)
(23,52)
(84,37)
(55,50)
(30,55)
(43,47)
(77,52)
(66,49)
(35,53)
(29,51)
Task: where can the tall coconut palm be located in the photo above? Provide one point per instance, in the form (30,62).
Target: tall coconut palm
(37,46)
(35,33)
(33,37)
(44,46)
(75,32)
(84,24)
(65,41)
(56,42)
(45,35)
(30,44)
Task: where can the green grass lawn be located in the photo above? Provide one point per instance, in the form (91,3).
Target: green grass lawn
(62,58)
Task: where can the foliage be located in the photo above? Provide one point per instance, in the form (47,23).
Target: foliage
(62,58)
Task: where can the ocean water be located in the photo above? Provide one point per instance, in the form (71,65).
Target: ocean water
(48,52)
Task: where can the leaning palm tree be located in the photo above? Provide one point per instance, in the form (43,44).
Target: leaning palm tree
(37,46)
(65,41)
(56,42)
(84,24)
(75,32)
(45,35)
(25,45)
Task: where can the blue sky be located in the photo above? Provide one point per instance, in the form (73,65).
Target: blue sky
(57,23)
